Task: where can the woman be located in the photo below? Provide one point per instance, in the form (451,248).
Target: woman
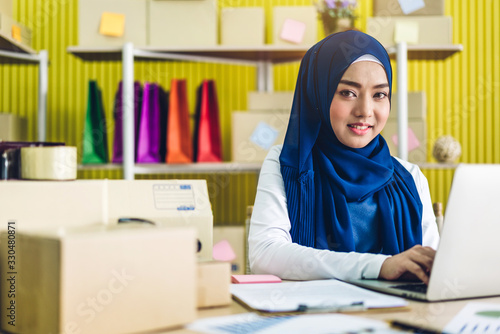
(331,201)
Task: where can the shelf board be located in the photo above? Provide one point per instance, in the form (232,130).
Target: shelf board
(162,168)
(437,165)
(228,54)
(13,52)
(428,51)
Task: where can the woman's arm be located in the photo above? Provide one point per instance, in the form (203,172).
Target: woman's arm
(271,250)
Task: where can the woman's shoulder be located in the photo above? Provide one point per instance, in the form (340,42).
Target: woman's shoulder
(410,167)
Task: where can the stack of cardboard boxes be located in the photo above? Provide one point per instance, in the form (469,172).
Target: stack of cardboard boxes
(263,125)
(73,268)
(395,20)
(177,23)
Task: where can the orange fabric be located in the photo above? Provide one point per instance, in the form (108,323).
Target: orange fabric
(179,141)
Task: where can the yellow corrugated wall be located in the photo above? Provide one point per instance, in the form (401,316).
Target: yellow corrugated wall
(463,91)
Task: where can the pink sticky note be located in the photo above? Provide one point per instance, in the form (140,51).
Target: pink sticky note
(413,142)
(255,279)
(222,251)
(293,31)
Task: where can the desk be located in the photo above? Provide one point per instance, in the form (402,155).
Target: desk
(433,315)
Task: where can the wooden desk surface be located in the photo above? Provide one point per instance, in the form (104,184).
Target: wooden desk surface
(429,315)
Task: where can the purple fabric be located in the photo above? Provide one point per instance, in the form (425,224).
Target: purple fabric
(118,116)
(148,145)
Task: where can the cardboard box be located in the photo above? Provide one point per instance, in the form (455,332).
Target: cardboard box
(15,30)
(431,29)
(35,205)
(13,127)
(417,106)
(182,23)
(393,8)
(99,280)
(89,20)
(416,153)
(270,101)
(254,133)
(235,236)
(173,203)
(6,7)
(304,14)
(214,279)
(242,26)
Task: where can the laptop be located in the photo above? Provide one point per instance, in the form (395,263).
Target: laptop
(467,262)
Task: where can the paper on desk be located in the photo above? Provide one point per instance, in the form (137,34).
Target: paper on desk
(476,318)
(321,323)
(286,297)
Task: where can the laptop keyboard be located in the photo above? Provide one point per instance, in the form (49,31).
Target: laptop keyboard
(416,287)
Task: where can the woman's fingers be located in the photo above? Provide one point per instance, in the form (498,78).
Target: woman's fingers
(416,261)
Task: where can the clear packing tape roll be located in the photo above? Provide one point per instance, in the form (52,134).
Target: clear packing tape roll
(49,163)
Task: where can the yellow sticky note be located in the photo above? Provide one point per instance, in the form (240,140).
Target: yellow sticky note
(112,24)
(16,33)
(406,31)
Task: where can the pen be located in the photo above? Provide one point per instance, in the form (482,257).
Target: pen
(353,307)
(414,328)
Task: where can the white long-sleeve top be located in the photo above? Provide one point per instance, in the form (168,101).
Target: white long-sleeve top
(271,250)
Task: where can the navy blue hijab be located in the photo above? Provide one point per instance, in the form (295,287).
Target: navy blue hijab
(322,175)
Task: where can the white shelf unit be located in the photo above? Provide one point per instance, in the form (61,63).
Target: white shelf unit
(403,52)
(263,58)
(13,52)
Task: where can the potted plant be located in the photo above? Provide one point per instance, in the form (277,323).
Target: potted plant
(336,15)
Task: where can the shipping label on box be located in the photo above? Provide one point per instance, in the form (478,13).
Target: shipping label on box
(242,26)
(94,15)
(302,15)
(417,139)
(99,279)
(431,29)
(417,106)
(173,203)
(182,23)
(394,8)
(254,133)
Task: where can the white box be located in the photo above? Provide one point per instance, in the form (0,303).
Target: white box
(182,23)
(242,26)
(99,280)
(270,101)
(431,29)
(254,133)
(305,14)
(89,20)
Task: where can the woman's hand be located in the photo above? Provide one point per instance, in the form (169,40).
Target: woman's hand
(415,262)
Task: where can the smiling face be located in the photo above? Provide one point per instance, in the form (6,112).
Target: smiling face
(360,106)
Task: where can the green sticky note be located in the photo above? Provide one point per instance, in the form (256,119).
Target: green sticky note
(406,31)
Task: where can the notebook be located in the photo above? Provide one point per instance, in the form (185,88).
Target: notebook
(468,256)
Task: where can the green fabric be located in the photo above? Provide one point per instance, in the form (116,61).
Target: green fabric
(95,141)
